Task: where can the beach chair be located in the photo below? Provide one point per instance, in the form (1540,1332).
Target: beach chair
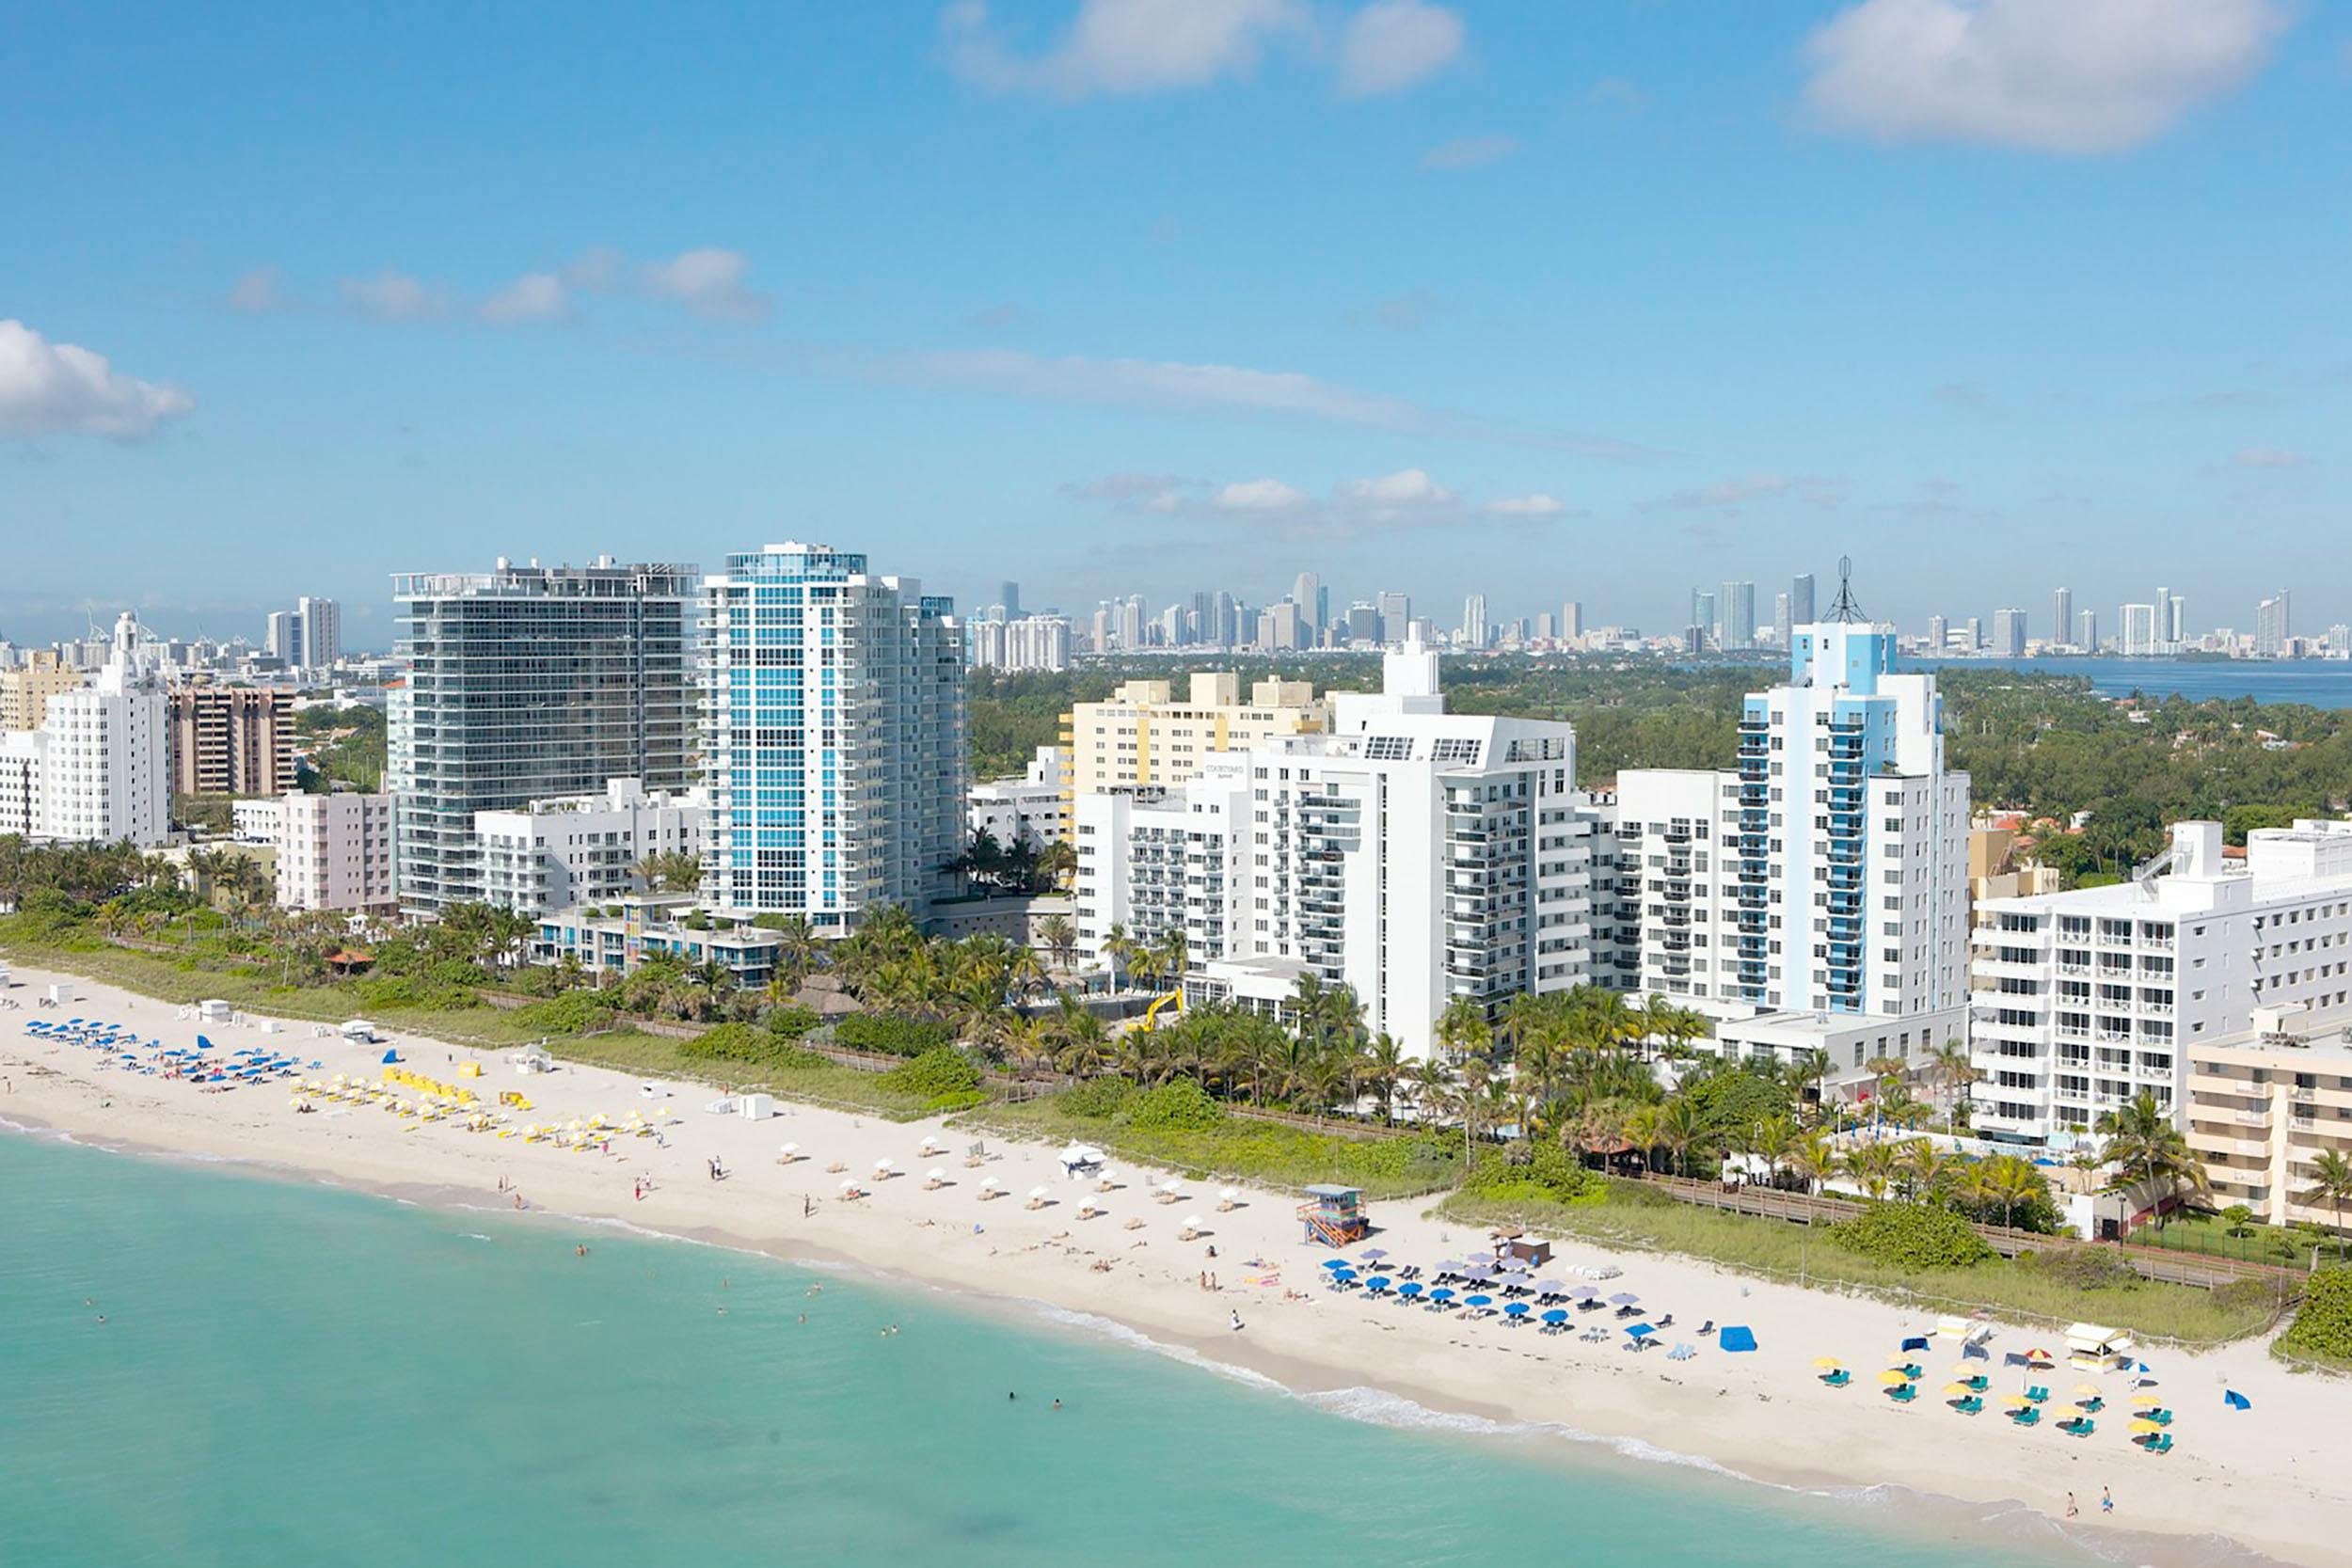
(2081,1426)
(1837,1379)
(1972,1405)
(2039,1394)
(2025,1415)
(1903,1393)
(1666,1321)
(2160,1442)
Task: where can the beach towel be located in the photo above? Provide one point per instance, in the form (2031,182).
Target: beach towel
(1736,1338)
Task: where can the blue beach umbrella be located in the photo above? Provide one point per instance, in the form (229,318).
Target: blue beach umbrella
(1518,1309)
(1640,1331)
(1557,1315)
(1336,1264)
(1478,1301)
(1443,1292)
(1409,1288)
(1377,1282)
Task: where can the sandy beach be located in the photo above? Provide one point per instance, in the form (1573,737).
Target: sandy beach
(2272,1479)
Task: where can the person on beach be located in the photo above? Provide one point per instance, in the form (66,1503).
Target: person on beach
(2107,1500)
(1237,1320)
(2071,1510)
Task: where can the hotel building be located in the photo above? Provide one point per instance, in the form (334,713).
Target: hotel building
(98,770)
(2264,1105)
(233,740)
(334,851)
(1144,736)
(584,849)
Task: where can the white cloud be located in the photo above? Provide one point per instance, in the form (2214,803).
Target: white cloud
(1407,487)
(1732,494)
(62,389)
(1259,494)
(1155,384)
(2269,457)
(258,291)
(537,296)
(1535,505)
(709,283)
(1470,152)
(1121,47)
(1391,44)
(392,296)
(1135,492)
(2052,75)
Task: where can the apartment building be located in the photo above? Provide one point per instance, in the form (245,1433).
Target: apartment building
(1413,855)
(527,682)
(98,770)
(2083,999)
(1025,810)
(834,736)
(1144,734)
(334,851)
(233,740)
(584,849)
(2264,1105)
(26,689)
(1826,872)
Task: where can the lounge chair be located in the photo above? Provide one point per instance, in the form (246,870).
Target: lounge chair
(1903,1393)
(2025,1415)
(1708,1327)
(1969,1406)
(1628,1310)
(2160,1442)
(2081,1426)
(1837,1379)
(2039,1394)
(1666,1321)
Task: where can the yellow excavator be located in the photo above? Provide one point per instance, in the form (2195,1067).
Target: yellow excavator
(1151,1014)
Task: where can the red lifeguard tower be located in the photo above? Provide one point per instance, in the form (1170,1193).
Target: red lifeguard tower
(1335,1215)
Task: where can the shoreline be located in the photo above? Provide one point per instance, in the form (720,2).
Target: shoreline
(2227,1494)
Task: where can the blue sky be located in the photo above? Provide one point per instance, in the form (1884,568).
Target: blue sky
(1590,300)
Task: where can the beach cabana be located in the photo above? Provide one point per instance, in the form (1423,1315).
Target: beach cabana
(2095,1348)
(1334,1215)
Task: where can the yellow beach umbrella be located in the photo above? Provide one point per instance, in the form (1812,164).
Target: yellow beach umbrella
(2015,1400)
(1956,1390)
(2147,1426)
(1829,1363)
(2089,1390)
(1899,1358)
(1964,1372)
(1893,1379)
(2147,1401)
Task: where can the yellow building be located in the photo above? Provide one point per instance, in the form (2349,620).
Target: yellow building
(1144,736)
(1996,869)
(2261,1106)
(24,693)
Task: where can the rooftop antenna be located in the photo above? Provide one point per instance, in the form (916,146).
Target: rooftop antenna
(1844,609)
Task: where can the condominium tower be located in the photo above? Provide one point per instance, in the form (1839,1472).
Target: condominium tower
(1145,734)
(524,683)
(834,736)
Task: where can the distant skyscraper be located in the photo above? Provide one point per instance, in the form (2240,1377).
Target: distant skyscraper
(1363,625)
(1547,629)
(2009,633)
(1131,623)
(1781,621)
(2176,624)
(1396,616)
(1306,594)
(1972,634)
(2164,615)
(1939,635)
(1739,611)
(2272,626)
(281,636)
(1703,614)
(322,631)
(1571,621)
(1475,621)
(2087,631)
(2137,630)
(1009,594)
(1800,599)
(2062,614)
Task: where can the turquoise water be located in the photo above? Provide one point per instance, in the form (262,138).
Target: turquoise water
(2318,683)
(291,1375)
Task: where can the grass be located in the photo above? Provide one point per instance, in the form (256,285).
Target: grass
(1635,1219)
(623,1048)
(1269,1155)
(2208,1235)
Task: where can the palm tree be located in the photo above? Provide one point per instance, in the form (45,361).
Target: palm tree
(1812,1159)
(1060,939)
(1681,1128)
(1955,1071)
(2147,1150)
(1462,1030)
(1119,947)
(1871,1166)
(2332,1185)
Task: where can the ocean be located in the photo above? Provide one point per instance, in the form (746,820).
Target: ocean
(289,1373)
(2316,683)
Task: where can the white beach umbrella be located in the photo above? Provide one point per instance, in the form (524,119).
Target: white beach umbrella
(883,1167)
(1171,1185)
(936,1173)
(1038,1192)
(850,1185)
(988,1184)
(1195,1222)
(790,1151)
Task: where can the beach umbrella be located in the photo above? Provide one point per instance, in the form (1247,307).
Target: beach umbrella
(2089,1390)
(2015,1400)
(2147,1401)
(988,1183)
(2039,1355)
(936,1173)
(1478,1301)
(1557,1315)
(1516,1310)
(2235,1400)
(1958,1390)
(1038,1192)
(1410,1288)
(1584,1293)
(1443,1292)
(1891,1378)
(1377,1282)
(1373,1255)
(1899,1357)
(1335,1264)
(2147,1426)
(1171,1185)
(1194,1222)
(1342,1271)
(1829,1363)
(1640,1331)
(848,1184)
(1551,1287)
(1228,1195)
(1625,1298)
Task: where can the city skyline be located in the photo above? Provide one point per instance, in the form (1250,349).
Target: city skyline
(1414,296)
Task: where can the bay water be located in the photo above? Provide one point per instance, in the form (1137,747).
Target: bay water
(291,1373)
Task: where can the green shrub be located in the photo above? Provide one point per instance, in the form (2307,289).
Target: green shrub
(891,1033)
(790,1023)
(1549,1175)
(1912,1236)
(1097,1098)
(1179,1105)
(384,992)
(573,1013)
(2081,1268)
(938,1072)
(753,1047)
(2323,1327)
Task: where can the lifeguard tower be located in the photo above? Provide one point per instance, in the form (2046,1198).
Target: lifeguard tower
(1335,1215)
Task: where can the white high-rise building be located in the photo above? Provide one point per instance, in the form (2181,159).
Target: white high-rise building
(2087,631)
(281,636)
(1028,643)
(2083,999)
(1827,874)
(1474,621)
(834,736)
(2062,614)
(2137,630)
(572,850)
(2009,633)
(322,622)
(99,769)
(1411,854)
(1739,613)
(334,851)
(2272,626)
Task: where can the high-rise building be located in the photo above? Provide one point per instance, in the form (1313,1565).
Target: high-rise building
(1782,625)
(2008,634)
(2175,628)
(233,740)
(1972,634)
(835,744)
(1009,594)
(1396,616)
(2164,619)
(1363,625)
(1939,636)
(98,770)
(1739,611)
(322,631)
(1474,621)
(334,851)
(2137,630)
(1143,734)
(524,683)
(2087,631)
(1571,621)
(1131,623)
(549,855)
(1312,602)
(281,636)
(2086,998)
(2062,614)
(1800,600)
(1412,855)
(26,688)
(1703,616)
(1545,629)
(1828,873)
(2272,627)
